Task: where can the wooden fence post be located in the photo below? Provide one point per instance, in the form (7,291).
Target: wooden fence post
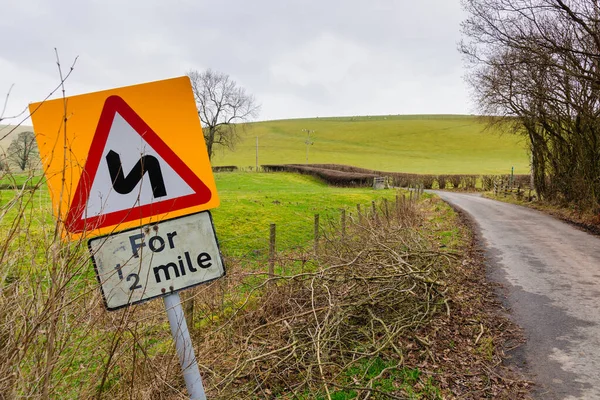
(316,233)
(386,210)
(359,214)
(374,210)
(272,251)
(343,222)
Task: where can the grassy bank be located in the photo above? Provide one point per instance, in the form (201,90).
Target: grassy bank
(57,340)
(361,316)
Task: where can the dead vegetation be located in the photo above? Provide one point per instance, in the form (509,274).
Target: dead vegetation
(383,303)
(309,328)
(392,308)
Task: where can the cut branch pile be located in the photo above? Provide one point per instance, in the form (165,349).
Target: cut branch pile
(311,328)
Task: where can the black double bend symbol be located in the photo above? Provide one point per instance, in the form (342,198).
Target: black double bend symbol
(125,184)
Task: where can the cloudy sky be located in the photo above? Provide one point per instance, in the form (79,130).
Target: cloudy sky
(302,58)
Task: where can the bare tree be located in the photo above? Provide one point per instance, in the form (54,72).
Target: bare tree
(23,150)
(223,108)
(534,65)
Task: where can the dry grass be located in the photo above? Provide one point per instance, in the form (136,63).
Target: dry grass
(381,293)
(379,283)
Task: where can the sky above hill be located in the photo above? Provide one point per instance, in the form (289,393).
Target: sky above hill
(300,58)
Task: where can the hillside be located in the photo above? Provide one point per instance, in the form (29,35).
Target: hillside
(418,143)
(453,144)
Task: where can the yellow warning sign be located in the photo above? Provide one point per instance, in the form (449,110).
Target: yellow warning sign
(124,157)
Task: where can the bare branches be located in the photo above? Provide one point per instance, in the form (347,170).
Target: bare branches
(63,79)
(6,99)
(6,102)
(223,107)
(59,226)
(309,329)
(534,65)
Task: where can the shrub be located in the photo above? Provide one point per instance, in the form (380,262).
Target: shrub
(401,179)
(455,180)
(427,181)
(442,181)
(487,182)
(522,180)
(469,181)
(330,176)
(343,168)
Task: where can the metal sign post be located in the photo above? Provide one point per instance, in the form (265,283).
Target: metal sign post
(144,188)
(183,345)
(140,264)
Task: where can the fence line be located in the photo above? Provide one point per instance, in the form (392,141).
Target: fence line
(506,187)
(377,214)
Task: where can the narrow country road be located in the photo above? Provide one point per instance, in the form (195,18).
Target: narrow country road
(550,272)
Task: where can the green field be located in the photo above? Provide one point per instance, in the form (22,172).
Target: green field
(435,144)
(250,202)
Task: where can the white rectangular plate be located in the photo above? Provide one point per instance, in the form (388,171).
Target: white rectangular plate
(154,260)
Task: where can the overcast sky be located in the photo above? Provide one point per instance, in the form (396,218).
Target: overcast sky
(299,58)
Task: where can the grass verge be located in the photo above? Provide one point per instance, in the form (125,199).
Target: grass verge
(385,309)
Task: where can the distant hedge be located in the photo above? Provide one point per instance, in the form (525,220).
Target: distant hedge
(225,168)
(349,176)
(331,176)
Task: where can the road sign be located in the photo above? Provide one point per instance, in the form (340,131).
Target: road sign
(142,263)
(107,195)
(126,157)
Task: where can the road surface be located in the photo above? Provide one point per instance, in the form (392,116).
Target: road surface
(550,272)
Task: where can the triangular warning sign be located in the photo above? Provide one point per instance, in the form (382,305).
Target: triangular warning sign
(130,173)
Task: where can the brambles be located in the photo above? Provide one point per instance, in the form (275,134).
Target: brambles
(362,294)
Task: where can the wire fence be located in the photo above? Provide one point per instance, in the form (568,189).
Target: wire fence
(304,233)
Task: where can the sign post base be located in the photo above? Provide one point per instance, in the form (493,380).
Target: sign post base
(183,345)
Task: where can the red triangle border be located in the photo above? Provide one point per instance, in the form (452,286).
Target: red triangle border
(76,224)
